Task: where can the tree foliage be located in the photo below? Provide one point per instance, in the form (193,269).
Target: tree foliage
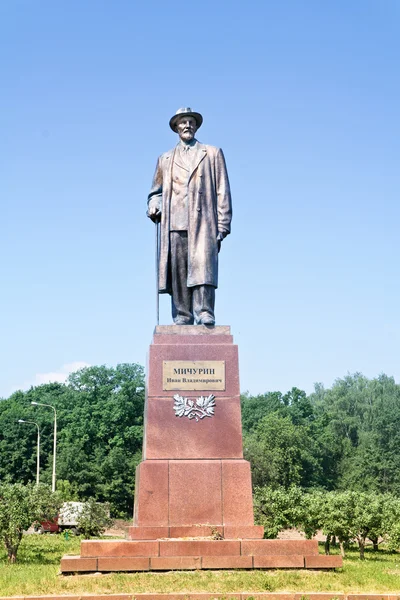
(281,453)
(277,508)
(93,519)
(100,433)
(343,438)
(346,516)
(20,506)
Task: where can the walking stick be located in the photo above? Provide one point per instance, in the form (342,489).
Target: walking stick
(157,270)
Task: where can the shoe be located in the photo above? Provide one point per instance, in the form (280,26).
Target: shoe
(181,321)
(207,320)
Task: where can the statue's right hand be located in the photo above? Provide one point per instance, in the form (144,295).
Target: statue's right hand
(154,214)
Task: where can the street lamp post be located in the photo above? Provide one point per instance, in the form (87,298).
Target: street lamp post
(38,447)
(53,479)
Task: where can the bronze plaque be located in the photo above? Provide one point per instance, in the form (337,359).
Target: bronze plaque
(193,375)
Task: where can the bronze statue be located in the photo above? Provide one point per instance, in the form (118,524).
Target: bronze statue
(190,197)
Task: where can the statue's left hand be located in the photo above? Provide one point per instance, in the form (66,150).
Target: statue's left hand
(220,237)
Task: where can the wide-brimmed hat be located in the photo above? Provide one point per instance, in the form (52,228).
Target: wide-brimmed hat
(185,112)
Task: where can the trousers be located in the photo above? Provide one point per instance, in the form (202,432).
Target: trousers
(189,304)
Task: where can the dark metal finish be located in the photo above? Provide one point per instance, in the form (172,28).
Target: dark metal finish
(190,196)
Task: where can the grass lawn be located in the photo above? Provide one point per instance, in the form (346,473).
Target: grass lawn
(36,572)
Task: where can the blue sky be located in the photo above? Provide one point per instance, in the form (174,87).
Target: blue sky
(304,99)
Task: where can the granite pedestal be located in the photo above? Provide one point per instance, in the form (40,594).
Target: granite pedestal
(193,494)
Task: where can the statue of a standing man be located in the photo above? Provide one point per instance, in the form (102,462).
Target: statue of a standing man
(190,195)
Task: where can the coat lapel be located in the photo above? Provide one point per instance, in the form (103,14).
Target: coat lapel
(199,154)
(178,160)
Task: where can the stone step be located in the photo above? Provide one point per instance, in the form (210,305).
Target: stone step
(200,548)
(197,547)
(75,564)
(216,596)
(227,531)
(278,547)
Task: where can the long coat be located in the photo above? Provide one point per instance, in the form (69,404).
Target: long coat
(209,211)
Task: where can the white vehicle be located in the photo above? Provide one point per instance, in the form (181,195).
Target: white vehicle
(69,514)
(67,518)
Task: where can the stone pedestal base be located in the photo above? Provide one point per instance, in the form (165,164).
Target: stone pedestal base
(173,493)
(193,472)
(178,554)
(193,481)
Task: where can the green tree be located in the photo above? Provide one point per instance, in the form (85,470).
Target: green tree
(254,408)
(298,407)
(277,508)
(100,433)
(355,516)
(20,506)
(365,517)
(282,453)
(310,512)
(93,519)
(293,404)
(67,491)
(360,419)
(392,523)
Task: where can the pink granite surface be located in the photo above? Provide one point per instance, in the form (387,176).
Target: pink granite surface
(76,564)
(193,339)
(116,548)
(171,563)
(147,533)
(279,562)
(151,498)
(195,554)
(243,532)
(174,493)
(183,531)
(322,561)
(121,563)
(227,562)
(199,548)
(193,471)
(278,547)
(237,493)
(195,492)
(169,436)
